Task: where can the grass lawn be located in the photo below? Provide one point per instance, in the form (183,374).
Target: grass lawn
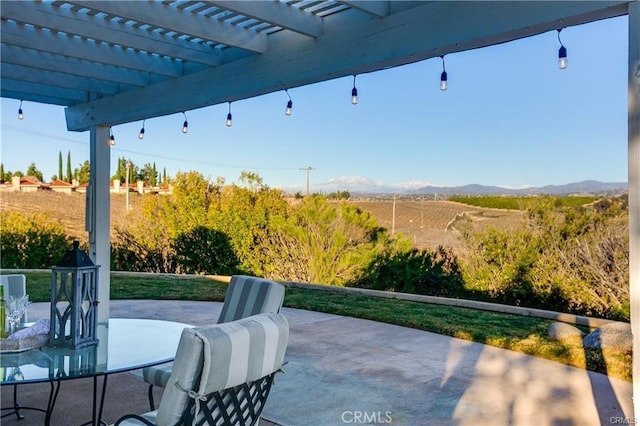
(519,333)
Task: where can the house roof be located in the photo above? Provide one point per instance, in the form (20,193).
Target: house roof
(110,61)
(60,183)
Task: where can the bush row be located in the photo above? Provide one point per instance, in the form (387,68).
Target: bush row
(571,259)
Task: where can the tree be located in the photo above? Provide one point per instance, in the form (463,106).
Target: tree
(321,243)
(69,174)
(149,243)
(32,170)
(121,170)
(154,176)
(81,174)
(251,180)
(59,175)
(148,174)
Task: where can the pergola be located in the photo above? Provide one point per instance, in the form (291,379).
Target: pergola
(114,62)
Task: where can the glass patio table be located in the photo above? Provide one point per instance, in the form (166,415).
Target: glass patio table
(124,345)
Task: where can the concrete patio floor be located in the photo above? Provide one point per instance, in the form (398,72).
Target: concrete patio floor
(344,370)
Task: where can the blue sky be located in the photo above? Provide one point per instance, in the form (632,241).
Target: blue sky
(509,118)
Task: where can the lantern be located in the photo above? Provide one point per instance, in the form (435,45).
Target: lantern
(74,304)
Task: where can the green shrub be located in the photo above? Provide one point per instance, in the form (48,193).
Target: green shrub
(31,241)
(571,259)
(205,251)
(414,271)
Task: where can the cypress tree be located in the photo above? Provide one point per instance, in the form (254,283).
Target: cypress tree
(69,173)
(60,165)
(154,175)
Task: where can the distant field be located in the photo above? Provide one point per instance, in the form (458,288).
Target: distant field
(427,223)
(433,223)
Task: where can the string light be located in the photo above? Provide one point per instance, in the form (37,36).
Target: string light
(354,92)
(443,77)
(287,111)
(185,125)
(141,134)
(112,139)
(20,114)
(229,122)
(562,54)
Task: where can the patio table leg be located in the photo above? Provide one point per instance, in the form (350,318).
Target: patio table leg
(96,417)
(53,396)
(17,407)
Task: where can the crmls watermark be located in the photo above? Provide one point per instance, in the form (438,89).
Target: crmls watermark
(366,417)
(624,420)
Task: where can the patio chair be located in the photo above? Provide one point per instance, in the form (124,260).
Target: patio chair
(245,296)
(15,285)
(222,373)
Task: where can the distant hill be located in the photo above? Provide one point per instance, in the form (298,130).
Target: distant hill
(362,186)
(584,187)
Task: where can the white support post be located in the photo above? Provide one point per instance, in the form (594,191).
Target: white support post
(97,219)
(634,193)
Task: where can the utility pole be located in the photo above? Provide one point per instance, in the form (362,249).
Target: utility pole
(393,217)
(308,169)
(126,179)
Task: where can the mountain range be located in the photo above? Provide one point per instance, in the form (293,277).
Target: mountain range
(359,185)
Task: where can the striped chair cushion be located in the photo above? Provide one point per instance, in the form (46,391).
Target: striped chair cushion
(157,375)
(221,356)
(248,295)
(245,296)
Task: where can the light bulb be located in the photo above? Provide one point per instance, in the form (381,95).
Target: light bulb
(289,106)
(354,92)
(443,81)
(229,122)
(562,54)
(141,134)
(562,58)
(185,127)
(112,140)
(20,114)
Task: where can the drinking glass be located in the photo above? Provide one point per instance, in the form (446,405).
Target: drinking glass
(16,307)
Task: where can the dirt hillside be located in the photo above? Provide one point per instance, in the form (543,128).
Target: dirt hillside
(427,223)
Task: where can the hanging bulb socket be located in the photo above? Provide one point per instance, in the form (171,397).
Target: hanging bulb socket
(20,114)
(562,54)
(562,58)
(141,134)
(289,107)
(229,118)
(185,125)
(112,139)
(354,93)
(443,77)
(443,81)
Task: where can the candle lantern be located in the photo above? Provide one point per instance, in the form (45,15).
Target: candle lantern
(74,300)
